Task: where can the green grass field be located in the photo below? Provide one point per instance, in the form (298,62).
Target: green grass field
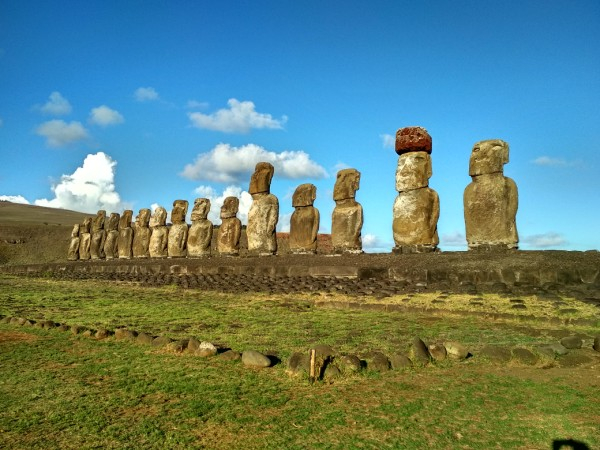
(59,390)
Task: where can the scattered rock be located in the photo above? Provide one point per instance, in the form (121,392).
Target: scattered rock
(350,363)
(252,358)
(525,356)
(571,342)
(556,349)
(206,349)
(123,334)
(144,339)
(331,372)
(298,363)
(400,361)
(574,359)
(46,324)
(161,341)
(88,333)
(419,353)
(102,333)
(177,346)
(456,350)
(596,345)
(437,351)
(76,329)
(496,353)
(230,355)
(63,327)
(193,345)
(378,361)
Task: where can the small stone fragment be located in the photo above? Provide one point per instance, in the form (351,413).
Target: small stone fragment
(206,349)
(177,346)
(298,363)
(161,341)
(437,352)
(400,361)
(378,361)
(350,363)
(193,344)
(230,355)
(123,333)
(419,353)
(252,358)
(571,342)
(144,339)
(102,333)
(456,350)
(76,329)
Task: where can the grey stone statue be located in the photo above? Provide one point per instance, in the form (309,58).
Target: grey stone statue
(112,236)
(158,247)
(304,224)
(73,254)
(347,216)
(98,235)
(85,239)
(141,234)
(201,231)
(179,230)
(125,242)
(230,231)
(264,212)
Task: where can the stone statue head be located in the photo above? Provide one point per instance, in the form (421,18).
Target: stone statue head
(125,220)
(75,231)
(98,221)
(413,171)
(159,218)
(86,225)
(201,209)
(346,184)
(143,218)
(113,222)
(230,207)
(304,195)
(488,157)
(412,139)
(260,182)
(179,211)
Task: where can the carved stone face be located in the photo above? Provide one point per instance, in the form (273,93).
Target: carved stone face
(75,231)
(113,222)
(98,221)
(346,184)
(304,195)
(86,225)
(261,178)
(201,209)
(159,218)
(179,211)
(143,218)
(414,171)
(125,220)
(488,157)
(230,207)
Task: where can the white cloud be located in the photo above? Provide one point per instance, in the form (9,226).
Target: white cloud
(56,105)
(454,239)
(59,133)
(90,188)
(14,199)
(387,140)
(216,201)
(547,161)
(227,164)
(374,244)
(194,104)
(545,240)
(145,94)
(283,224)
(239,118)
(105,116)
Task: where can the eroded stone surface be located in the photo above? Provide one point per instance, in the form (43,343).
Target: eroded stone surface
(178,232)
(230,231)
(201,231)
(141,234)
(264,212)
(413,139)
(125,241)
(158,245)
(304,223)
(85,239)
(73,253)
(347,216)
(111,250)
(98,235)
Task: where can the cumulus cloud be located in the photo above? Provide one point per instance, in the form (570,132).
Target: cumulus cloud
(545,240)
(90,188)
(387,140)
(240,117)
(374,244)
(14,199)
(217,199)
(547,161)
(227,164)
(56,105)
(454,239)
(105,116)
(194,104)
(283,224)
(58,133)
(145,94)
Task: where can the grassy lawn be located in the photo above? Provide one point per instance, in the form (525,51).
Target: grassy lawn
(59,390)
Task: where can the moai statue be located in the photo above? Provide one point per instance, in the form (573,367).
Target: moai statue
(85,239)
(230,231)
(417,207)
(264,212)
(98,235)
(200,234)
(179,230)
(125,242)
(112,236)
(304,223)
(158,247)
(490,200)
(73,254)
(347,217)
(141,234)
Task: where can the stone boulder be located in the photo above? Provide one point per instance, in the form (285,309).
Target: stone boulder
(254,359)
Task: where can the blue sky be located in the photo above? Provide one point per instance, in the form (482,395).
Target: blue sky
(131,104)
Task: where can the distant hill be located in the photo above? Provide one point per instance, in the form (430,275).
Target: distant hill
(16,213)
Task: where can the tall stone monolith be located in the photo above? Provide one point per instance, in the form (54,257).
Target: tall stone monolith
(158,247)
(264,212)
(230,231)
(73,253)
(417,207)
(347,216)
(125,242)
(179,230)
(141,234)
(490,200)
(304,223)
(201,231)
(85,239)
(112,236)
(98,235)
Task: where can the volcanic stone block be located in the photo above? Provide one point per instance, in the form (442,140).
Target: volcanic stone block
(125,242)
(264,212)
(252,358)
(304,223)
(201,231)
(347,216)
(230,231)
(141,234)
(491,199)
(179,230)
(85,239)
(158,246)
(111,250)
(413,139)
(73,253)
(98,235)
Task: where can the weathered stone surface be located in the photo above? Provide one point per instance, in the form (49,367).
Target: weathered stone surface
(347,216)
(193,344)
(158,245)
(230,231)
(206,349)
(125,241)
(596,345)
(252,358)
(331,372)
(201,231)
(437,352)
(141,234)
(85,239)
(377,361)
(177,346)
(75,329)
(125,334)
(525,356)
(350,363)
(98,235)
(161,341)
(413,139)
(571,342)
(400,361)
(144,339)
(264,212)
(73,253)
(298,363)
(491,199)
(102,333)
(456,350)
(419,353)
(111,250)
(496,353)
(178,232)
(554,349)
(417,207)
(304,223)
(574,359)
(230,355)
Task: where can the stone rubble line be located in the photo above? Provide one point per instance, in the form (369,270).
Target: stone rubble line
(490,207)
(322,362)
